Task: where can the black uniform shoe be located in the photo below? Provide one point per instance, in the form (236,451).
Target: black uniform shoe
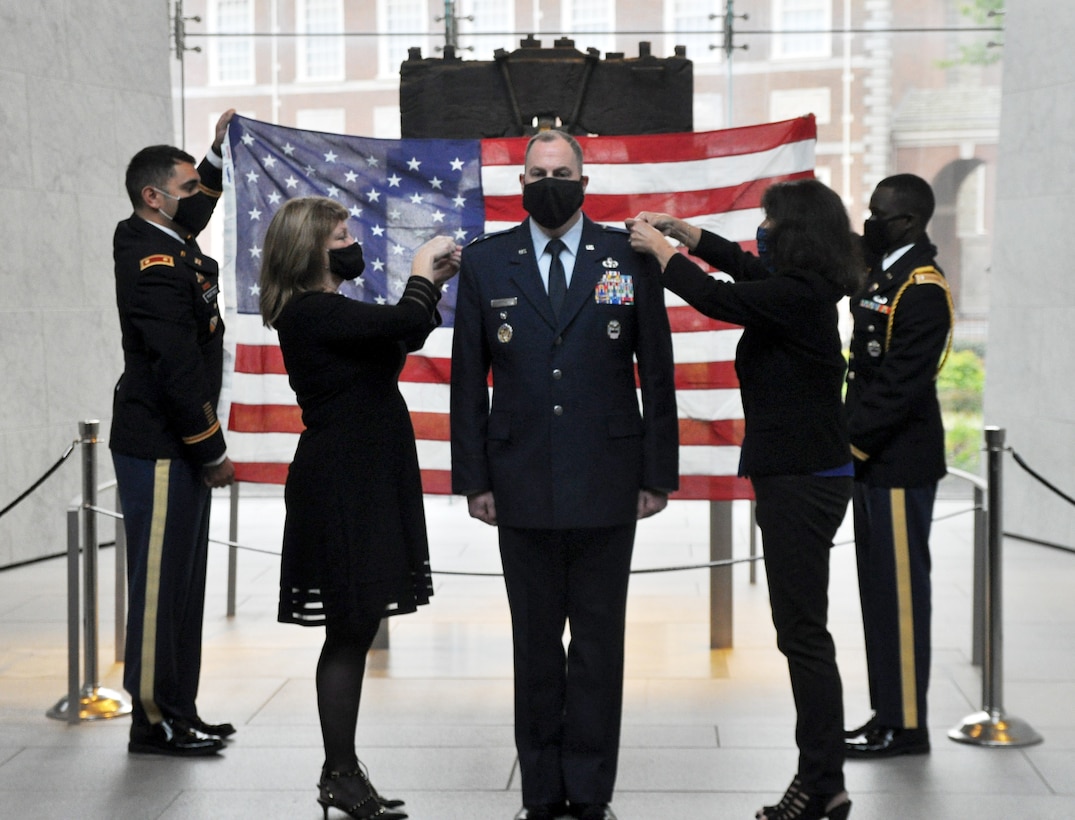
(863,729)
(888,742)
(171,738)
(547,811)
(221,730)
(592,811)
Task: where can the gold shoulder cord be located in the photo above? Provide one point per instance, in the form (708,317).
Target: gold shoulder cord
(927,275)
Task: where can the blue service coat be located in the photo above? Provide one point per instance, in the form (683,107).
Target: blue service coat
(563,441)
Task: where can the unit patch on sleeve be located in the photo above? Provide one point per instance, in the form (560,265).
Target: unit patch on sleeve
(156,259)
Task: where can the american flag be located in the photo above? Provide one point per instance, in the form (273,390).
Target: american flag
(400,192)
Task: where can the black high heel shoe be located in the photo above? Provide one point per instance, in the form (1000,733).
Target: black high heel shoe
(388,803)
(798,805)
(352,793)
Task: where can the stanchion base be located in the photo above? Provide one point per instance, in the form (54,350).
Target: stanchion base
(994,729)
(96,703)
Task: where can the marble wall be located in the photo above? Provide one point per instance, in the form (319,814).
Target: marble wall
(83,85)
(1030,381)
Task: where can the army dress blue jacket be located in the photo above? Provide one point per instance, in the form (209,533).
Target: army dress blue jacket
(164,405)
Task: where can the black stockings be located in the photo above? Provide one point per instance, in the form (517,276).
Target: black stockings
(339,689)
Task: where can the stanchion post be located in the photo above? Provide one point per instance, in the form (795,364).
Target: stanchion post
(991,727)
(94,702)
(88,431)
(121,582)
(233,551)
(720,578)
(753,543)
(73,614)
(981,533)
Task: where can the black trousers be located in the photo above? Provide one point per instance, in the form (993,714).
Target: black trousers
(166,518)
(567,705)
(892,547)
(798,517)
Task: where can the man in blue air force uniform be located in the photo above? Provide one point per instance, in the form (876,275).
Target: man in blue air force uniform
(563,460)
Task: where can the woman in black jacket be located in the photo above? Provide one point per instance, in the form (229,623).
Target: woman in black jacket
(795,447)
(354,546)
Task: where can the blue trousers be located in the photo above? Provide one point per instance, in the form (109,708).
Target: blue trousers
(567,705)
(166,518)
(892,547)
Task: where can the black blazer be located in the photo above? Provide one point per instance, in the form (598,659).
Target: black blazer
(164,404)
(789,358)
(563,442)
(893,411)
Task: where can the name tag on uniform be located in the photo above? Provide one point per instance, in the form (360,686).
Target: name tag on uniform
(615,289)
(511,301)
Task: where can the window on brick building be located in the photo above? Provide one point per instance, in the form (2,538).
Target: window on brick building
(231,59)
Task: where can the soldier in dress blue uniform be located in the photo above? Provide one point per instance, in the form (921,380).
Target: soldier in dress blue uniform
(563,460)
(166,441)
(902,331)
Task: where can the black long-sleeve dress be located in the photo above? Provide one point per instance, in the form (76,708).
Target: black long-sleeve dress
(354,537)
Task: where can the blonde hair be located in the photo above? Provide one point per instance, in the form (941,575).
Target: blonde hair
(293,259)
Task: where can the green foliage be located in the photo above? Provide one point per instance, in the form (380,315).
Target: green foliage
(978,12)
(961,382)
(959,387)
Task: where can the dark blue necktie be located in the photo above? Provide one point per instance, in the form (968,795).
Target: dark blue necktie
(557,277)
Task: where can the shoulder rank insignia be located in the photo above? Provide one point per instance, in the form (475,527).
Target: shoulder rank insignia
(156,259)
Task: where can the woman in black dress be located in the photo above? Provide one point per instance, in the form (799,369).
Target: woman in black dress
(355,546)
(795,445)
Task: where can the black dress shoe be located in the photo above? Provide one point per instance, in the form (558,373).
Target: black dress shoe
(888,742)
(545,811)
(592,811)
(863,729)
(221,730)
(172,738)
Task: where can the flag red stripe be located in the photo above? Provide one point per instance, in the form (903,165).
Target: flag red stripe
(262,359)
(649,148)
(685,319)
(265,418)
(261,472)
(439,482)
(713,487)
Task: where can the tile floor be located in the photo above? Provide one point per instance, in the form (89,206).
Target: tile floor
(707,734)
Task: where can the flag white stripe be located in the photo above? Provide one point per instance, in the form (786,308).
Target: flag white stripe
(689,175)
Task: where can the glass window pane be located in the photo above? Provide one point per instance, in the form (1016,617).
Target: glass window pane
(813,17)
(320,58)
(683,16)
(494,16)
(406,24)
(233,57)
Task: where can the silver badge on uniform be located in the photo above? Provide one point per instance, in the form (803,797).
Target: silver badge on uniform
(610,263)
(614,329)
(503,333)
(873,347)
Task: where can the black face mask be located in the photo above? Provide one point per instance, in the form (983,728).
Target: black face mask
(188,215)
(347,263)
(552,201)
(875,234)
